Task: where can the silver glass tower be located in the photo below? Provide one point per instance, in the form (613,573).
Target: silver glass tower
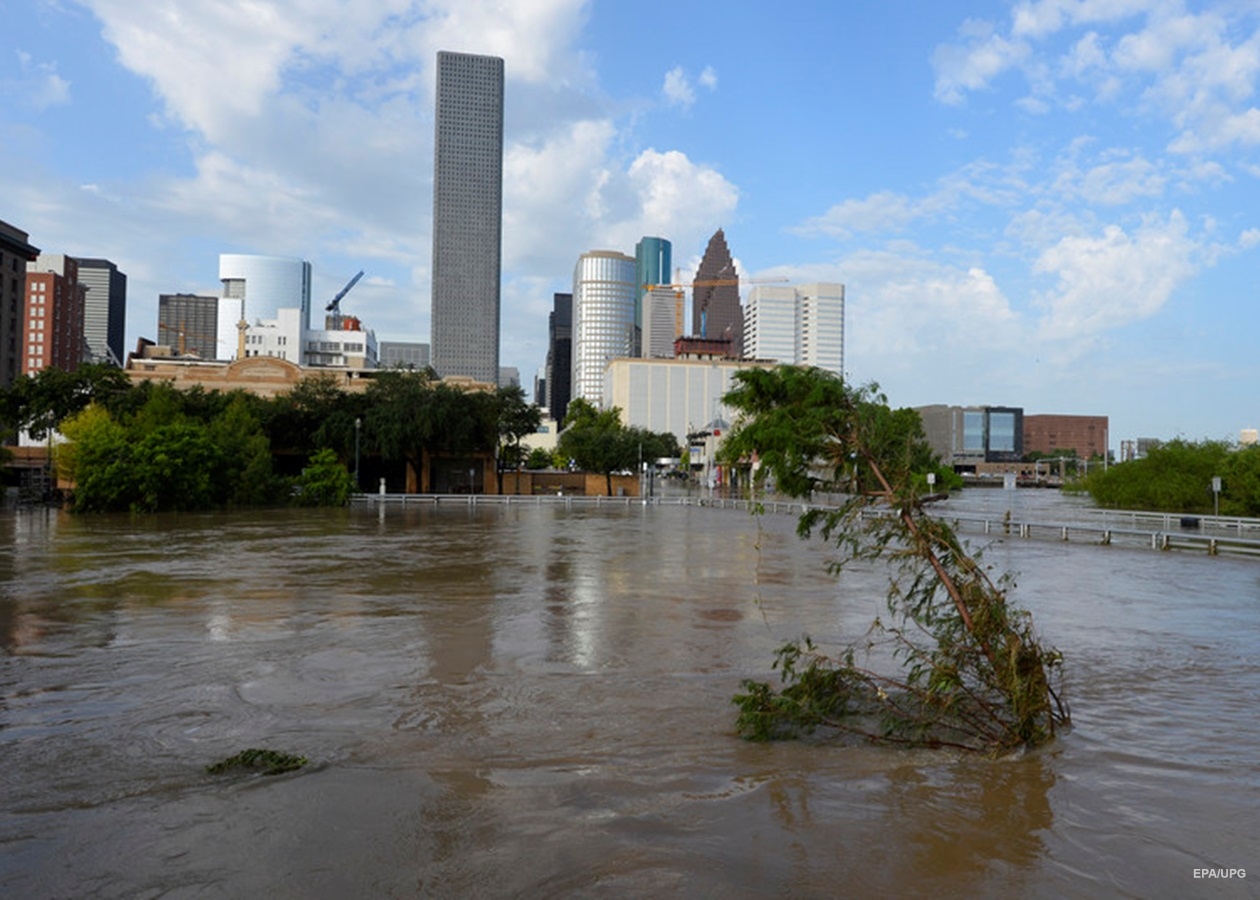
(467,215)
(604,291)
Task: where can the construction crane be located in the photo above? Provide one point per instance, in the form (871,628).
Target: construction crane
(334,321)
(182,333)
(711,283)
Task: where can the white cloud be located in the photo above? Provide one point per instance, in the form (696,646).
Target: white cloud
(983,56)
(884,211)
(904,309)
(40,86)
(1118,180)
(1115,278)
(678,198)
(215,64)
(1040,18)
(677,89)
(1196,70)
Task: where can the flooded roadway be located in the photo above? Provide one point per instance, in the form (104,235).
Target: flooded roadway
(530,701)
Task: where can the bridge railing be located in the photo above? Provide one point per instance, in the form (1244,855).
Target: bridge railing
(1213,535)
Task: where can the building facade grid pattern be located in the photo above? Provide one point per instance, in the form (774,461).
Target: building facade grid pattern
(467,216)
(188,323)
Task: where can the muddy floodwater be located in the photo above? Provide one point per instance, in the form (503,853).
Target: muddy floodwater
(535,701)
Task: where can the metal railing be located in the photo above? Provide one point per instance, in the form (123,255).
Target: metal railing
(1213,535)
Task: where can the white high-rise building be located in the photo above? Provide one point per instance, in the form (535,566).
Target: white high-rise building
(663,312)
(801,325)
(771,323)
(604,291)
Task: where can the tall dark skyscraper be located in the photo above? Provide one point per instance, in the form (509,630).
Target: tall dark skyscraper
(715,310)
(559,370)
(467,215)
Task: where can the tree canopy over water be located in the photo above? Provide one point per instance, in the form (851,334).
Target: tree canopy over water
(955,664)
(1177,477)
(152,447)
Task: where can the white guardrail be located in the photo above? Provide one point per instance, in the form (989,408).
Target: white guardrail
(1213,535)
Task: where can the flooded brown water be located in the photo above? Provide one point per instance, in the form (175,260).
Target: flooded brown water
(534,701)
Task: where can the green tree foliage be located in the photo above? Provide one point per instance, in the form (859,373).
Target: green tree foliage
(539,459)
(1177,477)
(246,471)
(325,481)
(516,419)
(40,402)
(408,414)
(597,441)
(153,447)
(316,413)
(159,457)
(97,458)
(965,668)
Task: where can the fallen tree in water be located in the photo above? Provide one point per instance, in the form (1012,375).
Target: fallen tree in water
(969,671)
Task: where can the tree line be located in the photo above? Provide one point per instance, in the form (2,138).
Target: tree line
(153,447)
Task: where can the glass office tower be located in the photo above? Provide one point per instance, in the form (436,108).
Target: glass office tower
(604,291)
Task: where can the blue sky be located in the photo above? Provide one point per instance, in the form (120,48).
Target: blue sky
(1052,204)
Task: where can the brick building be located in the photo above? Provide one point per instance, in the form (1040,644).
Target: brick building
(1054,435)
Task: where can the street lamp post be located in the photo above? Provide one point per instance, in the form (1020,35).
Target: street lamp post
(358,425)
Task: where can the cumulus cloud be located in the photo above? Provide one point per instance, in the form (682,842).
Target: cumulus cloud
(1113,279)
(903,307)
(214,64)
(1197,69)
(678,89)
(983,55)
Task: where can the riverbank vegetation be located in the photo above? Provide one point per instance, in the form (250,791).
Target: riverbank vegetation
(954,664)
(1177,477)
(150,447)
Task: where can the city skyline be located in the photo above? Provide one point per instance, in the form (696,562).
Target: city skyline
(1040,204)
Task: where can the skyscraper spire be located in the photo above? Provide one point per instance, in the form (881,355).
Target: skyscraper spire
(715,309)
